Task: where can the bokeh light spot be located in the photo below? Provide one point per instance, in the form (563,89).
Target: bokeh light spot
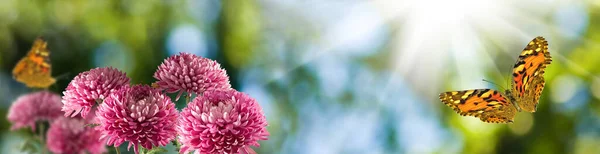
(114,54)
(8,11)
(187,38)
(522,124)
(569,92)
(563,88)
(65,12)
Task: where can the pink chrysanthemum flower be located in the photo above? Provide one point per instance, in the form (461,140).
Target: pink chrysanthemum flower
(33,107)
(138,114)
(90,87)
(224,121)
(191,74)
(70,135)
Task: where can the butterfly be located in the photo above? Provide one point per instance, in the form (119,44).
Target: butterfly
(34,70)
(494,106)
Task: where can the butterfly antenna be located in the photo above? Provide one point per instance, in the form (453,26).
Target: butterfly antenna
(508,80)
(494,84)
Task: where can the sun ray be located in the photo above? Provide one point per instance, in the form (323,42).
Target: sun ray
(573,66)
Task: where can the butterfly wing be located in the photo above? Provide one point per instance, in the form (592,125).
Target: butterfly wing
(487,104)
(34,70)
(528,74)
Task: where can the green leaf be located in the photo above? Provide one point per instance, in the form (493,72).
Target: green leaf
(29,146)
(142,149)
(176,144)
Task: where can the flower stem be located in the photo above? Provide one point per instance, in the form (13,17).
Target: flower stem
(187,99)
(42,141)
(117,149)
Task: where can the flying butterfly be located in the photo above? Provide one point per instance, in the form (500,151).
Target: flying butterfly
(497,107)
(34,70)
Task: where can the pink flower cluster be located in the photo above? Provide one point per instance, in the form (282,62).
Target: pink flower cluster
(191,74)
(224,121)
(65,135)
(70,135)
(219,120)
(90,87)
(31,108)
(140,115)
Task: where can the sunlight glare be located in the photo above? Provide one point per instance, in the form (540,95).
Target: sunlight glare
(431,31)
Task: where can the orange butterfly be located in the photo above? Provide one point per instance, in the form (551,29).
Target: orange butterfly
(34,70)
(497,107)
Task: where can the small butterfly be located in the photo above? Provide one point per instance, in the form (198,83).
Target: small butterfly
(496,107)
(34,70)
